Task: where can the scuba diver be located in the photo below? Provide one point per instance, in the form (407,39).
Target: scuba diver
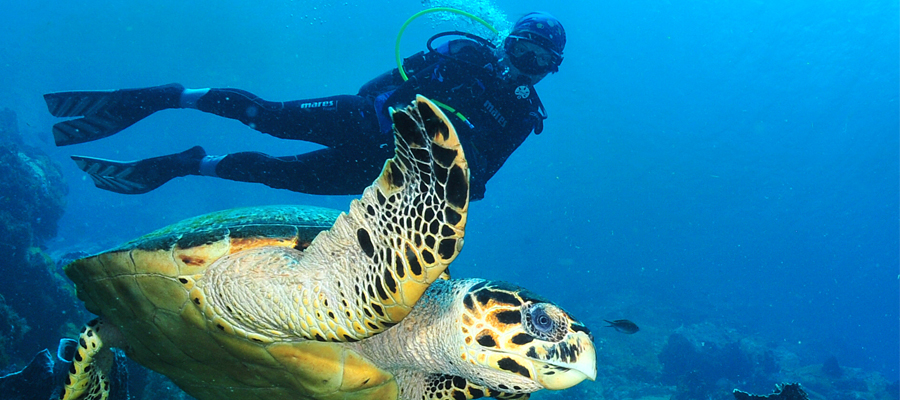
(487,91)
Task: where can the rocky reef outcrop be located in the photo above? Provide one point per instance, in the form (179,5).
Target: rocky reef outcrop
(35,298)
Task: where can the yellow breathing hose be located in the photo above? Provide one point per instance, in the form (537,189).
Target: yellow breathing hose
(428,11)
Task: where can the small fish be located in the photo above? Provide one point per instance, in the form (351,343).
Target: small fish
(623,325)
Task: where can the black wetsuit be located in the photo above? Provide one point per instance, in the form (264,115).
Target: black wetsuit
(356,129)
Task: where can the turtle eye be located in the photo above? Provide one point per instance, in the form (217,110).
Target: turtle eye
(541,321)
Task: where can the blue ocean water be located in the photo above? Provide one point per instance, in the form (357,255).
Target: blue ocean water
(734,162)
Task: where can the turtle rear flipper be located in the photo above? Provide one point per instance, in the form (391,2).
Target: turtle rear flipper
(90,370)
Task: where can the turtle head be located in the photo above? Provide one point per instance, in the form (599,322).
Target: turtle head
(530,340)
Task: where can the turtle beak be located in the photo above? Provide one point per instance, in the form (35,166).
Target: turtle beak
(576,361)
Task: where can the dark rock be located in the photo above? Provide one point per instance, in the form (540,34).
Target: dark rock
(784,391)
(893,389)
(831,368)
(34,382)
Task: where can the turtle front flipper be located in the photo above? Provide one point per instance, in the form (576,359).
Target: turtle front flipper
(89,373)
(366,273)
(443,386)
(410,223)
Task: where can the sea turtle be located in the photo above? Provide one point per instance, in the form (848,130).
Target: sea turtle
(294,302)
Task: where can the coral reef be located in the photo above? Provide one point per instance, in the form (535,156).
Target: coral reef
(32,191)
(853,383)
(704,361)
(12,330)
(708,360)
(32,199)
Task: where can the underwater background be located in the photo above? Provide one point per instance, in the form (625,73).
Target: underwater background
(723,173)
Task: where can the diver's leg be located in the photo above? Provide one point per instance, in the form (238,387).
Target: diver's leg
(335,121)
(324,172)
(331,121)
(142,176)
(104,113)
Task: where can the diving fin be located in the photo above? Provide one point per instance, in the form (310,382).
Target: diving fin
(105,113)
(137,177)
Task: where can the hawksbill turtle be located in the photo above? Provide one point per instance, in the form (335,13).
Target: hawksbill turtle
(290,302)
